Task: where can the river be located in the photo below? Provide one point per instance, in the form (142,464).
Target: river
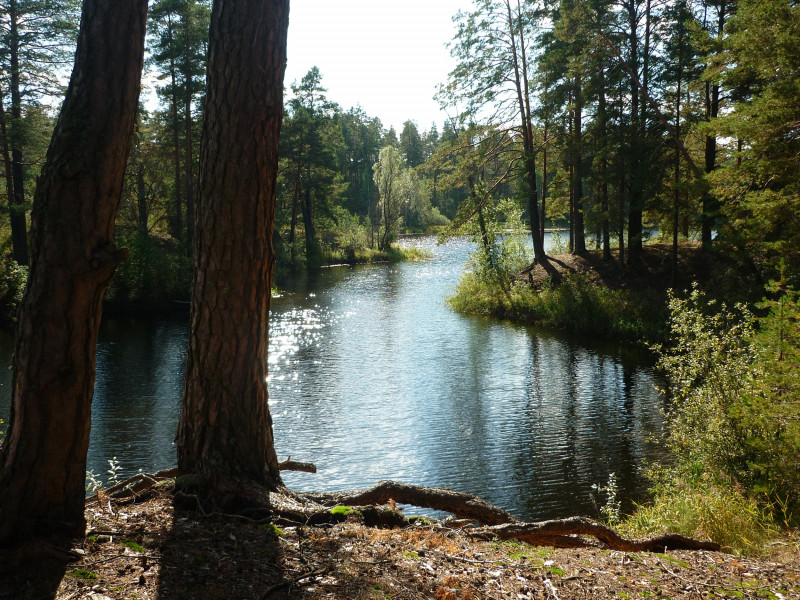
(373,377)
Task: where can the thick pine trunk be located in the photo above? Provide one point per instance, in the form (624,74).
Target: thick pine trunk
(19,226)
(225,429)
(43,459)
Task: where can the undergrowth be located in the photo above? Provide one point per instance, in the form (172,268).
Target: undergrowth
(353,256)
(734,431)
(576,305)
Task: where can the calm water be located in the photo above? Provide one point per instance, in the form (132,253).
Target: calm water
(373,377)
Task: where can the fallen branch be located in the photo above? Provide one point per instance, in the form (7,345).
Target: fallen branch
(463,506)
(293,465)
(575,532)
(568,532)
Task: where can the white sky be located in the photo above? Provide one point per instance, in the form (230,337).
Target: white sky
(386,55)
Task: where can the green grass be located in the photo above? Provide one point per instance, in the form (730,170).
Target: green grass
(133,546)
(576,305)
(705,509)
(372,255)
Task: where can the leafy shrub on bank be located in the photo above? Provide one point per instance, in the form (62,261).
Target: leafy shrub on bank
(155,275)
(576,305)
(734,430)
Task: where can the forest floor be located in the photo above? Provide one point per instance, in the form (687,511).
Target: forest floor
(719,272)
(149,551)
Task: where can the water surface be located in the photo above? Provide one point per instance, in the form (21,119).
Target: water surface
(373,377)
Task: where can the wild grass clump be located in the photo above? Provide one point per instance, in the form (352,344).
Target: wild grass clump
(702,507)
(367,255)
(576,305)
(734,430)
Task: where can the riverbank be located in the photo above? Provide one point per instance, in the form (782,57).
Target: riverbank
(149,550)
(605,299)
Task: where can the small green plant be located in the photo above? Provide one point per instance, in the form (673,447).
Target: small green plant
(611,509)
(82,574)
(274,529)
(131,545)
(113,471)
(341,510)
(93,483)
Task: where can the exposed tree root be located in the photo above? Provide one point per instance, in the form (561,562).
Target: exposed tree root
(463,506)
(566,533)
(288,507)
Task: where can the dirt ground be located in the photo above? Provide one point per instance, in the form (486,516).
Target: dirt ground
(149,551)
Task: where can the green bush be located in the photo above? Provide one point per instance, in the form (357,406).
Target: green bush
(576,305)
(154,275)
(734,430)
(13,277)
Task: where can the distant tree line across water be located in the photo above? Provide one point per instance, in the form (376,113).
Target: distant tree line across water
(604,116)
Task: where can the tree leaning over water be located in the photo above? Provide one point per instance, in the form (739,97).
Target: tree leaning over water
(225,429)
(43,458)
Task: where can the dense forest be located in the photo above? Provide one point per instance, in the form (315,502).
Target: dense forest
(611,123)
(617,121)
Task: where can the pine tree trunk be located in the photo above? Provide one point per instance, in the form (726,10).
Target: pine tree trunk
(580,235)
(225,429)
(19,226)
(188,121)
(43,459)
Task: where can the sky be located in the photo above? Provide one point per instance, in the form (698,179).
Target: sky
(388,56)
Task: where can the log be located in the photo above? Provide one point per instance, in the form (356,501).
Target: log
(463,506)
(568,532)
(294,465)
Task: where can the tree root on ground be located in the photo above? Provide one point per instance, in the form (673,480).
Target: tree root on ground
(483,520)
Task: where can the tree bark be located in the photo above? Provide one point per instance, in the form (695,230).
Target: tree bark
(225,429)
(577,174)
(43,459)
(188,121)
(710,204)
(176,147)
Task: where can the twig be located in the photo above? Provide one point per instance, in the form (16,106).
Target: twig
(709,585)
(551,588)
(272,589)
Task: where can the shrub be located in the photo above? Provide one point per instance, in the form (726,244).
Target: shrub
(13,277)
(733,423)
(155,274)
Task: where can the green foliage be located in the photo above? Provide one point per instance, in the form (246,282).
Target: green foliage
(132,546)
(702,506)
(710,367)
(12,285)
(610,510)
(274,529)
(388,174)
(761,187)
(576,305)
(154,275)
(82,574)
(734,429)
(340,510)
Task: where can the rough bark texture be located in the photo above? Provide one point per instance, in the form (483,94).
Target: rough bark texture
(43,459)
(225,429)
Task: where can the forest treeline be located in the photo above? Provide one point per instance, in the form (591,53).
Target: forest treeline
(612,119)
